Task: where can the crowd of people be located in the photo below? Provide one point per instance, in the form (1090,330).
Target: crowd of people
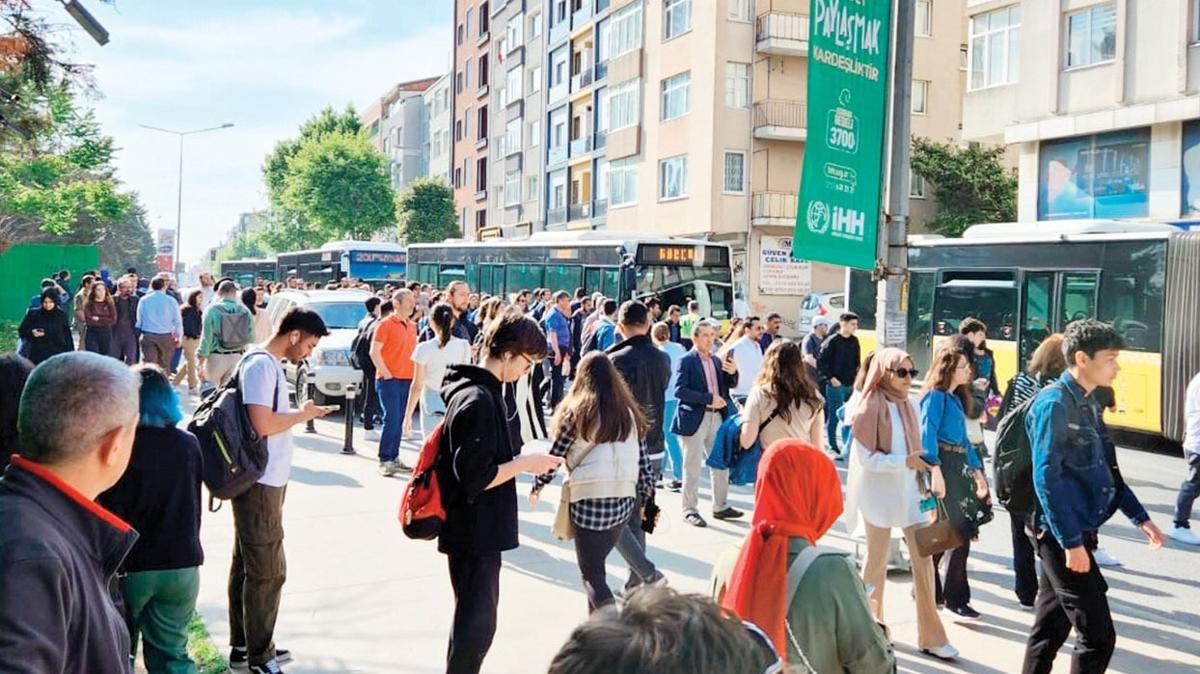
(627,398)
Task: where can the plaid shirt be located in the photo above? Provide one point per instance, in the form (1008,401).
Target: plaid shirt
(600,514)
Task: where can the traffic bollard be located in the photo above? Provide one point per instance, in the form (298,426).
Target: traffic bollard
(311,383)
(351,392)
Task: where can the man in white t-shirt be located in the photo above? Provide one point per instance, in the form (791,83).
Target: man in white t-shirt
(257,574)
(748,356)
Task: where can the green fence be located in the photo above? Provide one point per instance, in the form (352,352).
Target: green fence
(24,265)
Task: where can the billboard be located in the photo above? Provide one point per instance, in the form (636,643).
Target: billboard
(1191,169)
(164,250)
(1100,176)
(778,272)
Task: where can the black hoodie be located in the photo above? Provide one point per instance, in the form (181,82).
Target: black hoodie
(475,442)
(56,332)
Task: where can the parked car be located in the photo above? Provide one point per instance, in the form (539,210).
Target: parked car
(830,304)
(329,362)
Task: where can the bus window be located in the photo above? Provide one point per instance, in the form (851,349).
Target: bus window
(993,302)
(1037,319)
(611,279)
(1077,296)
(519,277)
(472,276)
(1133,284)
(485,279)
(862,298)
(562,277)
(920,316)
(592,280)
(450,273)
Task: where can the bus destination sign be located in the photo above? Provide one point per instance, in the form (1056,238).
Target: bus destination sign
(377,257)
(662,254)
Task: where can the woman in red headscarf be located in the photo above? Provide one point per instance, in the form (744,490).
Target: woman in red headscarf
(825,625)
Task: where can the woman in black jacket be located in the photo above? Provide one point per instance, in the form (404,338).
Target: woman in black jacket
(14,371)
(159,495)
(45,330)
(193,324)
(476,471)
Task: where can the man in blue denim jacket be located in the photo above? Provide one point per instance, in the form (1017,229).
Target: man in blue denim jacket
(1079,487)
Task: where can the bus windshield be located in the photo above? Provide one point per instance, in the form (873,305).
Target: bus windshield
(711,286)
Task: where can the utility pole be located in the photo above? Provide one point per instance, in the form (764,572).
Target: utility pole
(891,272)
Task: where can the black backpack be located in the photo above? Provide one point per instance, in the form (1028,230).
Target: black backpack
(235,455)
(360,348)
(1013,465)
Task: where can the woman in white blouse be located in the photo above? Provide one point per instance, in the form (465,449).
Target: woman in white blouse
(884,489)
(431,358)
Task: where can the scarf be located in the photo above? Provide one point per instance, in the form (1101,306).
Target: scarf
(871,422)
(798,493)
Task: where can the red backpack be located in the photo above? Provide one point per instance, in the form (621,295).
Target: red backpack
(421,512)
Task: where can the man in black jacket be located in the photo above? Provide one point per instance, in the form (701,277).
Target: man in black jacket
(59,549)
(838,366)
(125,337)
(647,371)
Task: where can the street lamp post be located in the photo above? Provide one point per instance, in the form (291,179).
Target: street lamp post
(179,192)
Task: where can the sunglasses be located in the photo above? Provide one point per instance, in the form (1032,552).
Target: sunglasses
(903,373)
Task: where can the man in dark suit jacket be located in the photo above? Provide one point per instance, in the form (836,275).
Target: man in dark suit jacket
(703,393)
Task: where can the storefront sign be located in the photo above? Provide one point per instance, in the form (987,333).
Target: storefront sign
(778,272)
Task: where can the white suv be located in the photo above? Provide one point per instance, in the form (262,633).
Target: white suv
(829,304)
(329,362)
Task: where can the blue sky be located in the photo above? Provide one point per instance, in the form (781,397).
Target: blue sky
(264,65)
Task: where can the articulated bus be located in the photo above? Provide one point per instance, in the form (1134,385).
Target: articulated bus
(620,265)
(371,261)
(246,272)
(1026,281)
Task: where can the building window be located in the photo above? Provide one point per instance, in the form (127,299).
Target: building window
(512,187)
(469,65)
(531,188)
(1195,21)
(672,178)
(535,26)
(535,133)
(514,80)
(1092,35)
(920,97)
(458,130)
(735,172)
(623,182)
(739,10)
(964,56)
(601,179)
(514,32)
(924,18)
(512,135)
(625,33)
(675,96)
(458,82)
(482,131)
(470,19)
(737,85)
(481,170)
(483,71)
(458,35)
(916,186)
(995,48)
(485,20)
(535,79)
(457,178)
(623,105)
(467,114)
(677,18)
(558,66)
(480,219)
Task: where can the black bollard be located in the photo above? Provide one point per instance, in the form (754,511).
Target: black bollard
(351,391)
(311,426)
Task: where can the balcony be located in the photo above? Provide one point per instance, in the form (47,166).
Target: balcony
(559,32)
(581,146)
(582,16)
(782,34)
(773,208)
(556,216)
(781,120)
(601,70)
(579,211)
(599,208)
(581,79)
(556,154)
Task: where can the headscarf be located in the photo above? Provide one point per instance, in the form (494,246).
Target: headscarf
(798,493)
(53,295)
(871,422)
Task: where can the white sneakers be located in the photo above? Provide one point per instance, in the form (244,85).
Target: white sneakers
(1184,535)
(373,434)
(944,652)
(1105,558)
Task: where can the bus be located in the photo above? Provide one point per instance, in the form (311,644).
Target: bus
(372,261)
(247,271)
(620,265)
(1026,281)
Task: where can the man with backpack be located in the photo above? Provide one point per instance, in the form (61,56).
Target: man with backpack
(228,330)
(257,574)
(360,358)
(1079,487)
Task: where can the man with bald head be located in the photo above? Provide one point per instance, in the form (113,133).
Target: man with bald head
(59,549)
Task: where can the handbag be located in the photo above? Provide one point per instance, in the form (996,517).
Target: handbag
(938,536)
(564,527)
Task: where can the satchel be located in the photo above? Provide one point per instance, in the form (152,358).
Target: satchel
(939,536)
(564,526)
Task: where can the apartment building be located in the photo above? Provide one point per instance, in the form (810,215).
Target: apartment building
(437,136)
(1100,99)
(516,151)
(472,118)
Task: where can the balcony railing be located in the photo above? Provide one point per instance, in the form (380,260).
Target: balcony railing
(556,155)
(601,71)
(556,216)
(579,211)
(581,79)
(782,33)
(582,15)
(599,208)
(773,206)
(781,120)
(581,145)
(601,140)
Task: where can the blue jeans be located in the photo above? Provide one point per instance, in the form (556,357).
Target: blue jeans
(835,397)
(393,398)
(674,449)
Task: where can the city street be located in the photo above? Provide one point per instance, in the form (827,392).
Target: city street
(360,597)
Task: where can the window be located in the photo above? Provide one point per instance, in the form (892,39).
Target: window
(622,182)
(735,172)
(558,66)
(603,39)
(677,18)
(470,19)
(513,81)
(458,34)
(672,178)
(920,97)
(469,66)
(457,177)
(512,136)
(602,110)
(558,189)
(994,53)
(481,166)
(1092,36)
(483,70)
(558,127)
(623,105)
(485,21)
(535,26)
(531,188)
(467,115)
(514,34)
(535,133)
(512,187)
(458,130)
(924,18)
(675,96)
(1101,176)
(482,132)
(739,10)
(480,219)
(737,85)
(916,186)
(535,79)
(601,180)
(625,35)
(1195,21)
(964,56)
(458,82)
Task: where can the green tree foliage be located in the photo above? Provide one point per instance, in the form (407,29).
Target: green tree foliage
(970,183)
(427,212)
(241,247)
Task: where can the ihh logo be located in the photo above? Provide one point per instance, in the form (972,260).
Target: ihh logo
(848,223)
(817,217)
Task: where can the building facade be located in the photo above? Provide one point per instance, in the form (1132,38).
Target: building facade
(400,130)
(472,119)
(1100,100)
(437,137)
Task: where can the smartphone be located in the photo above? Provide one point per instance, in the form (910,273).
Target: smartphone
(331,408)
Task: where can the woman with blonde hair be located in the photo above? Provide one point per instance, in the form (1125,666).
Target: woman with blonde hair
(885,486)
(783,402)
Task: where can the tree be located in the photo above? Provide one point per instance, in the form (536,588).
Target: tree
(339,183)
(241,247)
(970,183)
(427,212)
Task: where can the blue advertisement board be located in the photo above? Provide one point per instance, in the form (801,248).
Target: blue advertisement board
(1191,169)
(1101,176)
(378,265)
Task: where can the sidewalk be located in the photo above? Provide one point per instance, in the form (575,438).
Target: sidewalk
(360,597)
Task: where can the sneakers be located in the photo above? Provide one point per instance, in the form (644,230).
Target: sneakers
(964,612)
(1105,558)
(694,519)
(1184,535)
(389,468)
(373,434)
(238,658)
(623,593)
(943,652)
(675,486)
(728,514)
(271,667)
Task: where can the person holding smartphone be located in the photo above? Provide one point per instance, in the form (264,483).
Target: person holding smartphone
(45,330)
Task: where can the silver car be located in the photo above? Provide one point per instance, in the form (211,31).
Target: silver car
(329,363)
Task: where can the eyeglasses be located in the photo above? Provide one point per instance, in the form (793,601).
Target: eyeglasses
(903,373)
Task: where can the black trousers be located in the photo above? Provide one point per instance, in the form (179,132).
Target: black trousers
(476,582)
(1024,564)
(557,383)
(1188,491)
(368,399)
(1067,599)
(98,339)
(591,550)
(950,581)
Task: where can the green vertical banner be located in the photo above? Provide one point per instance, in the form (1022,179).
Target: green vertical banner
(837,218)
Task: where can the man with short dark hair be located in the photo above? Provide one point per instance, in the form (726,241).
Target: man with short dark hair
(125,338)
(557,326)
(747,355)
(812,347)
(161,324)
(59,549)
(837,367)
(606,327)
(770,331)
(654,306)
(1079,487)
(257,573)
(224,337)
